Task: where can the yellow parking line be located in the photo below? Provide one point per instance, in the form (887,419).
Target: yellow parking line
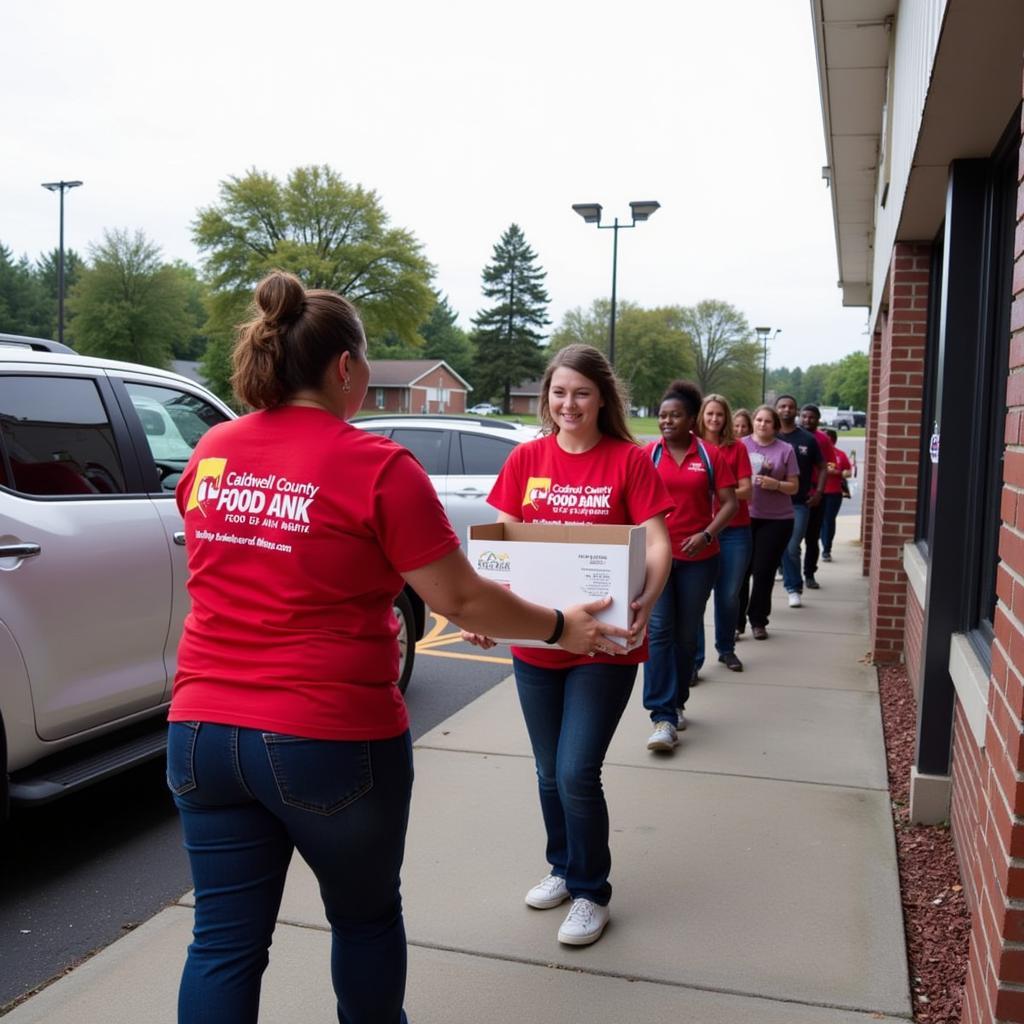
(436,629)
(445,640)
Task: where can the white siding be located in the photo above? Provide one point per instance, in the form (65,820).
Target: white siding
(918,26)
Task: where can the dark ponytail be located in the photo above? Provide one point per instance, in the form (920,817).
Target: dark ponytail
(288,346)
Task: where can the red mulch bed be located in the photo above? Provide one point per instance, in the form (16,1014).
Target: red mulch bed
(936,917)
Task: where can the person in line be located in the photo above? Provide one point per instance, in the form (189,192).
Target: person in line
(286,729)
(808,455)
(698,478)
(743,426)
(775,480)
(810,417)
(838,473)
(715,426)
(572,705)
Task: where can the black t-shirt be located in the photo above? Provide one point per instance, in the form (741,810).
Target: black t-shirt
(808,455)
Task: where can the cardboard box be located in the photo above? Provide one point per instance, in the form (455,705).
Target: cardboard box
(559,565)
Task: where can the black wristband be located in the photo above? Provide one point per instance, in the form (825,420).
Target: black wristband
(708,538)
(559,626)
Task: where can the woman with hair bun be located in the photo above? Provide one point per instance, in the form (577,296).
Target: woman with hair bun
(286,729)
(698,479)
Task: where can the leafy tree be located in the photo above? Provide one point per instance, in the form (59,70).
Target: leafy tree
(727,358)
(508,334)
(47,272)
(813,388)
(24,306)
(330,233)
(197,291)
(128,304)
(847,382)
(651,347)
(444,339)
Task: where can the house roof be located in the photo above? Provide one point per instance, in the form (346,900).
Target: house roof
(529,387)
(404,373)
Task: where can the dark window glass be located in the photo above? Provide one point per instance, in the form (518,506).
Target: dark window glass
(173,421)
(429,446)
(999,280)
(58,438)
(483,456)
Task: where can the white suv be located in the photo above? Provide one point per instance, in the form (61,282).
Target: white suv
(92,567)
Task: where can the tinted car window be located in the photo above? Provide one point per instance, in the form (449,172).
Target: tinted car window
(57,437)
(482,455)
(429,446)
(173,421)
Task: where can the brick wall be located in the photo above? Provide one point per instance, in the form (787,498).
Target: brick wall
(991,846)
(896,412)
(867,483)
(913,644)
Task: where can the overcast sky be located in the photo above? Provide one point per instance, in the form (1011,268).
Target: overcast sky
(465,116)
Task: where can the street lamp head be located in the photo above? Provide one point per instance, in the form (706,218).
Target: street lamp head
(590,212)
(762,332)
(56,186)
(643,210)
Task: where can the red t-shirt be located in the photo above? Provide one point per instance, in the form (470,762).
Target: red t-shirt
(828,454)
(689,488)
(613,483)
(737,458)
(297,526)
(834,483)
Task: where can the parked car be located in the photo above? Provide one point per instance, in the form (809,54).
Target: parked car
(93,594)
(860,419)
(462,457)
(484,409)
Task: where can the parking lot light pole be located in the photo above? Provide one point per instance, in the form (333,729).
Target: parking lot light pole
(62,187)
(591,214)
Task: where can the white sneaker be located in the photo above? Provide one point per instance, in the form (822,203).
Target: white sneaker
(583,924)
(794,600)
(682,720)
(663,738)
(549,892)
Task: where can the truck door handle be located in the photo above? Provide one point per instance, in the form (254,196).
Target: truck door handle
(179,538)
(19,550)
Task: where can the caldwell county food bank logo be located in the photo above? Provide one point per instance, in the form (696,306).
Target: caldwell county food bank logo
(491,561)
(537,490)
(206,486)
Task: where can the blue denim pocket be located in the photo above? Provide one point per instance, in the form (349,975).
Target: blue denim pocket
(322,776)
(181,747)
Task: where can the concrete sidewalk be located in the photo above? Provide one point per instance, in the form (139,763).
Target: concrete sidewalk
(754,870)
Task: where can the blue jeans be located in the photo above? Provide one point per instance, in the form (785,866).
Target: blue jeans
(736,545)
(792,580)
(571,715)
(676,622)
(248,799)
(833,502)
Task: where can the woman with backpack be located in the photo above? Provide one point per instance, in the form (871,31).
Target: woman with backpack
(695,475)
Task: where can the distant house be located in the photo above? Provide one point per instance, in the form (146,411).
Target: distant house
(415,386)
(525,399)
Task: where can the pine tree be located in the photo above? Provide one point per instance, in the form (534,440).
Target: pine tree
(508,334)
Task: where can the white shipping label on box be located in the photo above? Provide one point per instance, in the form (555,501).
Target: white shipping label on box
(561,565)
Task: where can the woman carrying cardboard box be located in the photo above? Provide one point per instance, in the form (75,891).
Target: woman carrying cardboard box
(572,705)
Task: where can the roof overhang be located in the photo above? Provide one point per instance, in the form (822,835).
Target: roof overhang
(852,49)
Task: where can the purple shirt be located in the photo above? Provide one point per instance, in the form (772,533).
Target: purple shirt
(777,460)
